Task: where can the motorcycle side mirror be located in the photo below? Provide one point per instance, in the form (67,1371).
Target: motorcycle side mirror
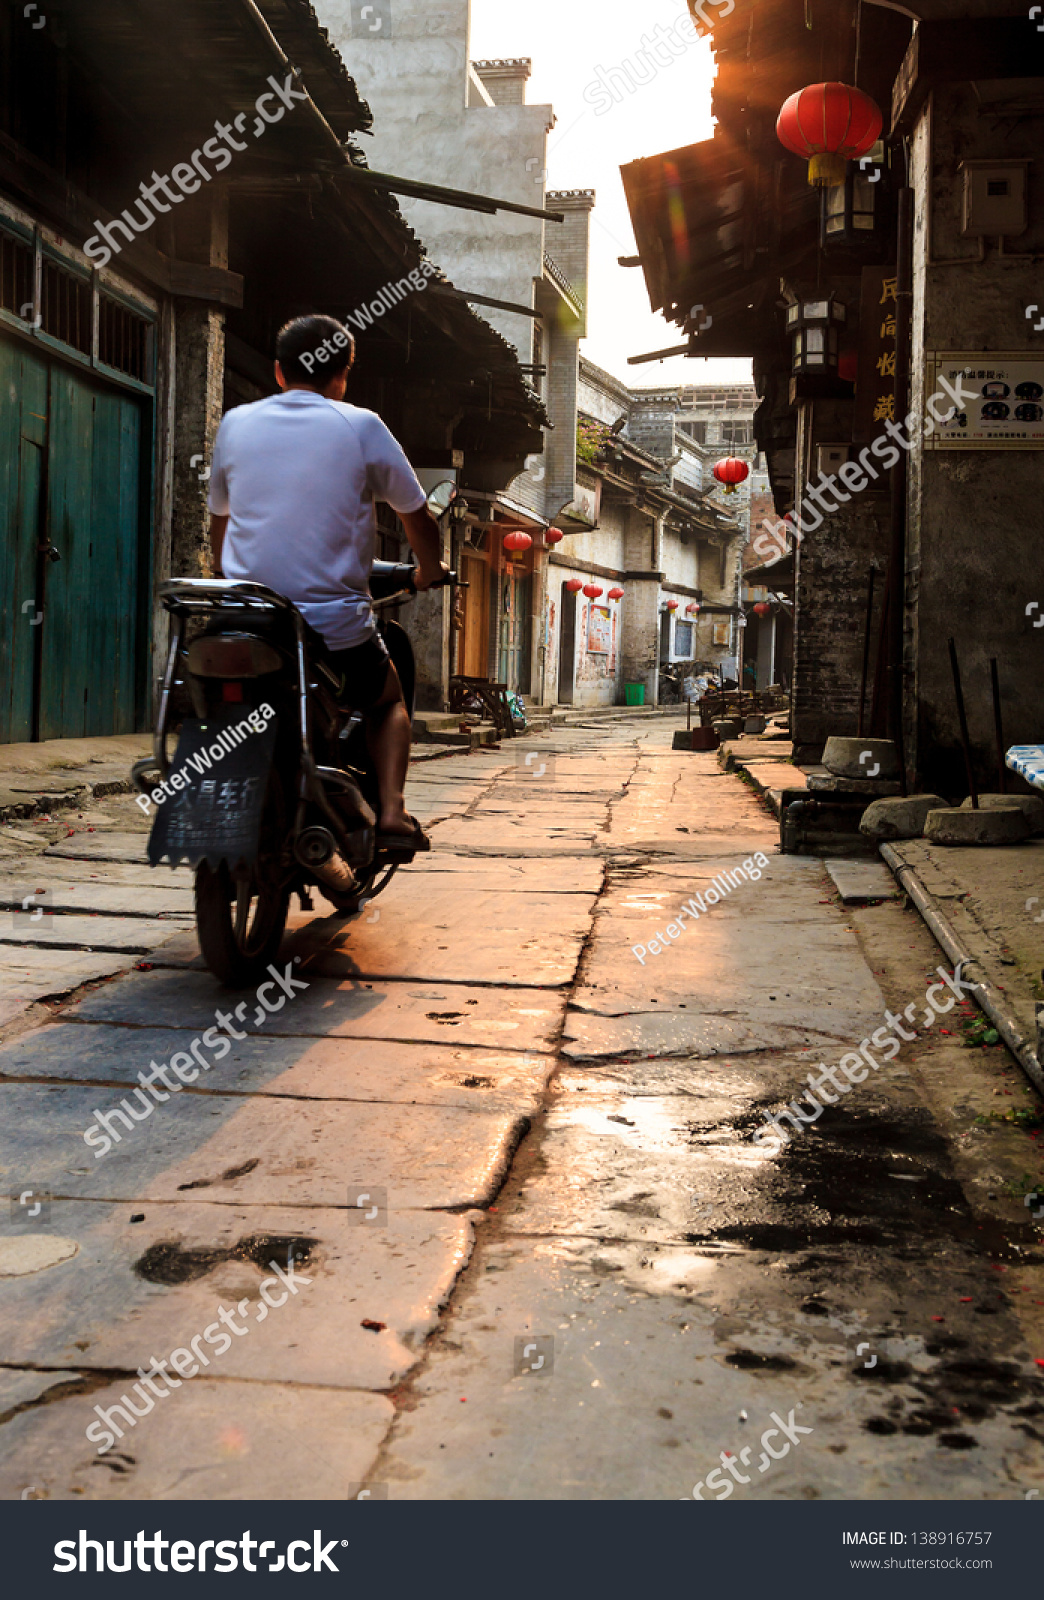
(441,497)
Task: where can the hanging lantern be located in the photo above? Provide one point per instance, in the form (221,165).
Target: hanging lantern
(574,585)
(693,610)
(762,608)
(672,605)
(592,591)
(516,543)
(830,124)
(731,471)
(553,536)
(814,327)
(616,594)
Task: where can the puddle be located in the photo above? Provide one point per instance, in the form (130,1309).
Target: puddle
(168,1263)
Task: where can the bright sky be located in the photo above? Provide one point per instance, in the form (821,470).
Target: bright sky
(568,40)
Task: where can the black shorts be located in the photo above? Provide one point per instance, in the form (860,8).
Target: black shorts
(364,672)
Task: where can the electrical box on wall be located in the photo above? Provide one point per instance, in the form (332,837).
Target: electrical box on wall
(993,201)
(829,457)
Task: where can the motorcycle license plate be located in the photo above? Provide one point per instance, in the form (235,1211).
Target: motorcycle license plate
(210,808)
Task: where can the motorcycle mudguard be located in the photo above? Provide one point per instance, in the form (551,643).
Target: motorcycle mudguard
(401,651)
(211,810)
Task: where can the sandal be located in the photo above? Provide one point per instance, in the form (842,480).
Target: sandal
(405,845)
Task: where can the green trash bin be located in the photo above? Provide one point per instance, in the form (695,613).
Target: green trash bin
(634,694)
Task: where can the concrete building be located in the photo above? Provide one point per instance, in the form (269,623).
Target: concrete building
(443,117)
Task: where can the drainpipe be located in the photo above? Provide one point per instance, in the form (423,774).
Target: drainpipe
(897,557)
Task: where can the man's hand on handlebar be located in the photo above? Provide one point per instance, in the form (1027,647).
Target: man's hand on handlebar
(432,577)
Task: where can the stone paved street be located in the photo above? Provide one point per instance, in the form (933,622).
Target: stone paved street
(575,1274)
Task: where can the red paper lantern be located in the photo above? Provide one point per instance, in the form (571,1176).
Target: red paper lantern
(731,471)
(574,585)
(672,605)
(692,610)
(616,594)
(517,541)
(553,536)
(762,608)
(830,123)
(592,591)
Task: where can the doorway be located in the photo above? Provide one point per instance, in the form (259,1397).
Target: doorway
(74,531)
(567,648)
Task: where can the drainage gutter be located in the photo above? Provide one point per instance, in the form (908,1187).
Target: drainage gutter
(988,996)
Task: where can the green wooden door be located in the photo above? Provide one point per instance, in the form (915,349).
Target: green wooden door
(91,626)
(23,442)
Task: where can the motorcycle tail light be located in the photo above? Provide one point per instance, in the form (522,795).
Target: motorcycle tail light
(232,655)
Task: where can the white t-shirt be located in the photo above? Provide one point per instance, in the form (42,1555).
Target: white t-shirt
(297,475)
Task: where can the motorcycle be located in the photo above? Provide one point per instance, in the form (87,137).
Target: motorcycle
(272,790)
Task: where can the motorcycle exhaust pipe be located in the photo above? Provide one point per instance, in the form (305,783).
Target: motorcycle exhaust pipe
(316,850)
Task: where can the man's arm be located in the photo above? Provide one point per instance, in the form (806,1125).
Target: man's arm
(217,540)
(425,538)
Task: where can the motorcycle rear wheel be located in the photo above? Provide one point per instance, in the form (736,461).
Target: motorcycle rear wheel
(240,923)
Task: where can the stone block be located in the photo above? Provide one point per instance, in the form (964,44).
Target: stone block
(861,758)
(1031,805)
(899,816)
(873,788)
(997,825)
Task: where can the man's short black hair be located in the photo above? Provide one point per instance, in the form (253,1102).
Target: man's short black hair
(313,350)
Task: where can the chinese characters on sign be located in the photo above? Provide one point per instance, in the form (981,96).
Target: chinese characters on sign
(875,383)
(1007,411)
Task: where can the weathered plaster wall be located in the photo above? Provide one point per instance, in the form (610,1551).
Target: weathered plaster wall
(414,74)
(975,552)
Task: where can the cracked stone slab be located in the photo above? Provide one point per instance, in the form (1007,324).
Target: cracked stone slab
(28,974)
(517,875)
(255,1150)
(856,881)
(137,936)
(641,1353)
(434,1013)
(108,1309)
(208,1440)
(816,979)
(77,886)
(687,1033)
(112,845)
(513,836)
(19,1389)
(295,1068)
(423,932)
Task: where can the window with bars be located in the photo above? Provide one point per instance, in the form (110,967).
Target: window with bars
(66,306)
(16,274)
(124,339)
(73,310)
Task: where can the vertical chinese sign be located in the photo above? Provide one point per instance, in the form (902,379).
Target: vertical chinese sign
(875,382)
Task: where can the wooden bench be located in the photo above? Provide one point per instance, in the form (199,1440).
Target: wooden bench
(494,698)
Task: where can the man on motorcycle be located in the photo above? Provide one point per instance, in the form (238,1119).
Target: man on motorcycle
(292,491)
